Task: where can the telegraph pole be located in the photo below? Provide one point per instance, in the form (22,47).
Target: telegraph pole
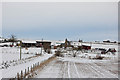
(20,49)
(41,45)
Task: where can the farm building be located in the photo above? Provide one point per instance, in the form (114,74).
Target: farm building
(39,43)
(45,44)
(73,44)
(27,43)
(86,47)
(56,44)
(66,44)
(106,41)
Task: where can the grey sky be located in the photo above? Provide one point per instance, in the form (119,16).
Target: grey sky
(56,21)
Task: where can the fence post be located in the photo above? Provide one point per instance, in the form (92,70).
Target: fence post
(18,76)
(25,73)
(31,68)
(28,70)
(35,65)
(21,74)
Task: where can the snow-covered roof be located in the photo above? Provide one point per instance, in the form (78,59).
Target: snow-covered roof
(107,39)
(55,43)
(28,41)
(8,43)
(43,40)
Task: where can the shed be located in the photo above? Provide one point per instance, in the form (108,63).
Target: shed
(45,44)
(28,43)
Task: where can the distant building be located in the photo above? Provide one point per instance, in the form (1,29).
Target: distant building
(28,43)
(45,44)
(39,43)
(56,44)
(66,44)
(114,42)
(86,47)
(106,41)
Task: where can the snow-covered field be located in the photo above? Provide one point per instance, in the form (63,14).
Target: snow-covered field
(12,71)
(68,66)
(13,53)
(11,63)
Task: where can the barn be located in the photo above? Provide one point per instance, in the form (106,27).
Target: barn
(45,44)
(86,47)
(28,43)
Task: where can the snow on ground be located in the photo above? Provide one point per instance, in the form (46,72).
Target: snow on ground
(11,72)
(70,67)
(82,66)
(66,67)
(11,63)
(13,53)
(106,46)
(7,43)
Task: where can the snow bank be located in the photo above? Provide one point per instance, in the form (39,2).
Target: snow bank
(12,71)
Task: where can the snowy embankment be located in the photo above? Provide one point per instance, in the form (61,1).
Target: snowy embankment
(11,72)
(11,63)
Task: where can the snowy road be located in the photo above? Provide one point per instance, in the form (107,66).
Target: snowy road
(71,69)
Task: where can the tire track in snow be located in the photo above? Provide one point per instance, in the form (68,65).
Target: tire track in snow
(61,70)
(83,70)
(113,68)
(69,70)
(108,74)
(76,70)
(72,71)
(65,70)
(101,73)
(96,71)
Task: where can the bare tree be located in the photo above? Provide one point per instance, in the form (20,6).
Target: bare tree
(13,39)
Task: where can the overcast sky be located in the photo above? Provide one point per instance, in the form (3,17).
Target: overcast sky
(89,21)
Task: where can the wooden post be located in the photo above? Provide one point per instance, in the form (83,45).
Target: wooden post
(33,66)
(25,73)
(21,74)
(18,76)
(41,45)
(20,49)
(28,70)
